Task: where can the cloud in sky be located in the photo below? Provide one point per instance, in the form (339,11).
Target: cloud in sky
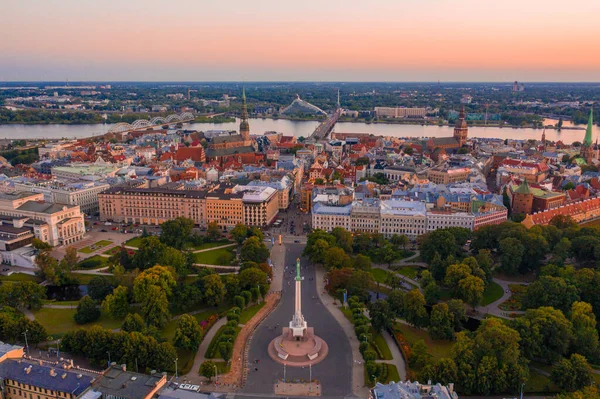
(396,40)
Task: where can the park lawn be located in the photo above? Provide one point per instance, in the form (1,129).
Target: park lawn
(249,312)
(134,242)
(212,346)
(492,293)
(97,245)
(60,303)
(383,347)
(19,277)
(347,312)
(112,251)
(410,272)
(438,348)
(95,261)
(379,275)
(539,383)
(381,288)
(222,367)
(60,321)
(393,374)
(220,257)
(185,361)
(84,278)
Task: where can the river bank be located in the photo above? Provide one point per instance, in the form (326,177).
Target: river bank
(258,126)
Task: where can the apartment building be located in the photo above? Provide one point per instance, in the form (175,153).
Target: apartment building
(400,112)
(365,216)
(228,206)
(151,205)
(327,217)
(448,175)
(56,224)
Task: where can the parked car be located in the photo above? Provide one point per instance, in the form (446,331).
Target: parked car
(103,230)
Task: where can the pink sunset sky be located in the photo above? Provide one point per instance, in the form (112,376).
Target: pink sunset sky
(328,40)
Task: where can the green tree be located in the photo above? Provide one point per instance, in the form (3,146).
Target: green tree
(133,322)
(213,232)
(420,354)
(471,290)
(23,295)
(399,241)
(251,278)
(71,258)
(362,262)
(432,293)
(441,323)
(438,267)
(545,334)
(254,250)
(117,303)
(562,250)
(454,274)
(155,307)
(336,258)
(208,369)
(176,232)
(318,251)
(512,252)
(583,247)
(99,287)
(343,239)
(589,392)
(188,333)
(550,291)
(239,233)
(225,350)
(396,301)
(572,374)
(86,311)
(214,289)
(456,307)
(381,314)
(585,334)
(414,308)
(441,241)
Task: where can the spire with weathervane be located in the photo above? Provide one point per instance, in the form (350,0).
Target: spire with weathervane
(244,125)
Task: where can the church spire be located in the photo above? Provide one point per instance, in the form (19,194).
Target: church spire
(244,125)
(588,131)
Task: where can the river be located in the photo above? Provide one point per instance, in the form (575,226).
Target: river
(305,128)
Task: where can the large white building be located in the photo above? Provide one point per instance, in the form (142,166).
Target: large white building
(56,224)
(327,217)
(412,390)
(403,217)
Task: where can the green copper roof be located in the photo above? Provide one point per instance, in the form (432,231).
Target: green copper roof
(298,278)
(588,132)
(524,188)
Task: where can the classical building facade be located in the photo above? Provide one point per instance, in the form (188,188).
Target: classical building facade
(56,224)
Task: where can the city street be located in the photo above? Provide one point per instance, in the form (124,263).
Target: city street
(334,372)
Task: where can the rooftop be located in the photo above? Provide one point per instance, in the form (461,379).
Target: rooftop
(54,379)
(127,385)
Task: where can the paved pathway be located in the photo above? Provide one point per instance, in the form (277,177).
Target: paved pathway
(192,376)
(213,248)
(397,358)
(493,308)
(358,376)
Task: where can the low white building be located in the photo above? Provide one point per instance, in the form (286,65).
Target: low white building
(412,390)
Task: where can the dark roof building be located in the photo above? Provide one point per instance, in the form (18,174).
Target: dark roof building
(118,383)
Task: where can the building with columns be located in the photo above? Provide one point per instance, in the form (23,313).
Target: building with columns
(56,224)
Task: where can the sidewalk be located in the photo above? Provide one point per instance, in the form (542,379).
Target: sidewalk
(358,378)
(192,376)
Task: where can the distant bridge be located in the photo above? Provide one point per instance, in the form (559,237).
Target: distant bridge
(323,130)
(123,127)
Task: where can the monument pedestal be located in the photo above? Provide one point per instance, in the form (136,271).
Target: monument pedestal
(298,351)
(298,345)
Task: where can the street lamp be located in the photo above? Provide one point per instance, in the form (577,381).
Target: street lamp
(522,385)
(216,375)
(26,345)
(176,359)
(58,348)
(108,358)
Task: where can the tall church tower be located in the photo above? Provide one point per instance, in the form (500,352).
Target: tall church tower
(587,148)
(460,129)
(244,125)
